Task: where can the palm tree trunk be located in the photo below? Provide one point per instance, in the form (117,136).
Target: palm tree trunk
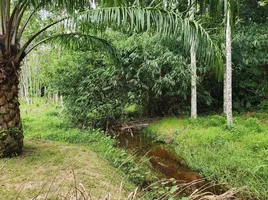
(228,85)
(11,135)
(224,92)
(193,84)
(193,69)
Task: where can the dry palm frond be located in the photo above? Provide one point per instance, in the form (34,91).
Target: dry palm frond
(230,194)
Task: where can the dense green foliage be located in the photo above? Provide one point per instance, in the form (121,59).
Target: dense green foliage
(154,73)
(96,91)
(234,156)
(90,88)
(250,75)
(251,67)
(251,11)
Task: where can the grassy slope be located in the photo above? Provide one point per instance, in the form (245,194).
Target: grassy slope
(236,156)
(52,168)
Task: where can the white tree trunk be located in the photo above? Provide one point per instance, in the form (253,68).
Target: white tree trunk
(61,101)
(193,84)
(165,4)
(193,69)
(56,98)
(228,72)
(224,92)
(49,96)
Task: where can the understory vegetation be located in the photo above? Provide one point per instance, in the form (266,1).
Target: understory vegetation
(235,156)
(63,161)
(153,74)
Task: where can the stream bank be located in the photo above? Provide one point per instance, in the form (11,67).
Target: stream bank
(164,161)
(235,157)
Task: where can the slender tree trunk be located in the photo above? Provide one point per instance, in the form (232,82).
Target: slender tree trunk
(165,4)
(61,101)
(193,84)
(56,98)
(11,135)
(228,85)
(193,70)
(224,92)
(24,86)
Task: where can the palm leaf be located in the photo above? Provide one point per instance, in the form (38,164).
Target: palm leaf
(78,41)
(189,32)
(68,5)
(135,18)
(217,8)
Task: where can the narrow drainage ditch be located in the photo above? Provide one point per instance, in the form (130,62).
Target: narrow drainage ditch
(164,161)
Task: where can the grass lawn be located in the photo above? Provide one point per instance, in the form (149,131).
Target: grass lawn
(54,169)
(236,156)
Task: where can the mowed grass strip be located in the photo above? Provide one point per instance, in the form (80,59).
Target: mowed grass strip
(53,170)
(59,160)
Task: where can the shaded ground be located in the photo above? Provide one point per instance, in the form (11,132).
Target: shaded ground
(53,169)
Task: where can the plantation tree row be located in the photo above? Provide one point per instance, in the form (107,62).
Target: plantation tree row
(33,80)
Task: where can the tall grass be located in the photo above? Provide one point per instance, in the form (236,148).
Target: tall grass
(236,156)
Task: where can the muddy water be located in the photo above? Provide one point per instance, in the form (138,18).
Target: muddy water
(163,160)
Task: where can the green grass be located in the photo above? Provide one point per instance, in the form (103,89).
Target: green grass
(133,110)
(55,150)
(236,156)
(56,155)
(50,169)
(47,122)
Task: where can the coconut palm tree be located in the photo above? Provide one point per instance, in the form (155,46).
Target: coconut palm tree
(75,21)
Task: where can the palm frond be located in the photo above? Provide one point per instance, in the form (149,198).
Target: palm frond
(189,32)
(218,8)
(78,41)
(71,5)
(68,5)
